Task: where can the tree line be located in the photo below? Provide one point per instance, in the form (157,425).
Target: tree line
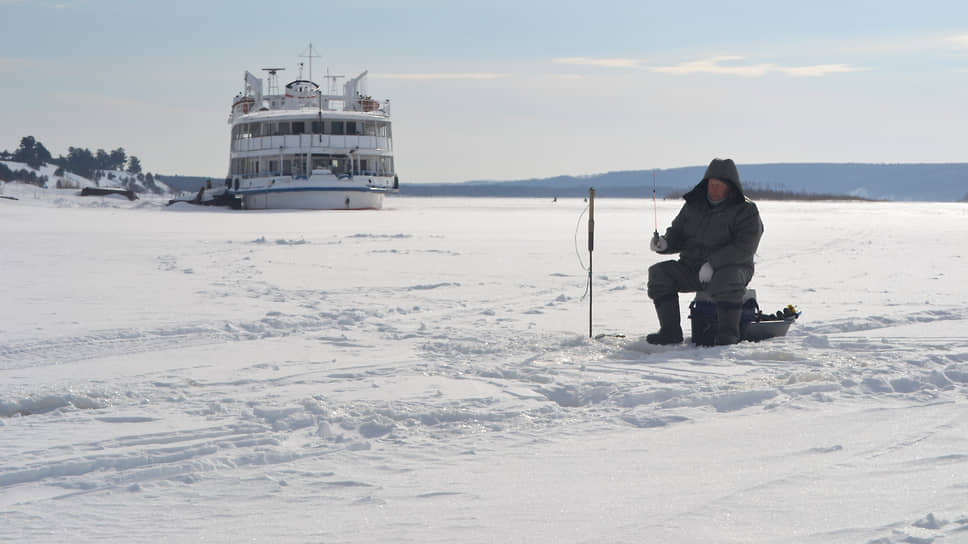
(80,161)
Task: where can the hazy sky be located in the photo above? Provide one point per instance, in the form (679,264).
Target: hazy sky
(504,89)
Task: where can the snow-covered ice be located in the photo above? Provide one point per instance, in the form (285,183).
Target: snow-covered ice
(423,374)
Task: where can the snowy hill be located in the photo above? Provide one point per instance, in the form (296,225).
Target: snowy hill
(106,179)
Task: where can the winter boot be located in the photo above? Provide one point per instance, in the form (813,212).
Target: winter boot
(727,326)
(670,330)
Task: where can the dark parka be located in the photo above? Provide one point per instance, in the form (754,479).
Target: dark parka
(726,235)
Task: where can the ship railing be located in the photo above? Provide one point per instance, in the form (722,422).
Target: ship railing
(373,173)
(300,175)
(281,174)
(302,141)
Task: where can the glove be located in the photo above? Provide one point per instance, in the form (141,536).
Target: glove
(705,273)
(659,244)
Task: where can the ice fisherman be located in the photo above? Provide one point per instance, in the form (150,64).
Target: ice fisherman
(716,234)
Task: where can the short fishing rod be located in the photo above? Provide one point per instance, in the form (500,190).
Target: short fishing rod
(655,207)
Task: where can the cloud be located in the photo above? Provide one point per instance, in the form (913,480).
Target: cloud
(11,63)
(440,76)
(129,106)
(961,42)
(818,70)
(609,63)
(729,65)
(713,66)
(60,5)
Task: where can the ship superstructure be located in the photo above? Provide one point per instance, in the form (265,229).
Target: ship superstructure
(304,147)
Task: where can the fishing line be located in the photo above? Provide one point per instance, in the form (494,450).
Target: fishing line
(578,253)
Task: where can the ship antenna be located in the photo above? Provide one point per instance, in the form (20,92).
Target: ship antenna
(308,52)
(273,86)
(331,85)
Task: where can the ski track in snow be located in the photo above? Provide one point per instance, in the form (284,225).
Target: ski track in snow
(614,381)
(465,363)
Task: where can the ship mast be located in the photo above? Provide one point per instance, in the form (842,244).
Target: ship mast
(308,53)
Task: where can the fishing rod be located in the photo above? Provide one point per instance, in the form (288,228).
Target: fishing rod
(591,247)
(655,207)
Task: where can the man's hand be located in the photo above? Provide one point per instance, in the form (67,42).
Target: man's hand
(659,243)
(706,273)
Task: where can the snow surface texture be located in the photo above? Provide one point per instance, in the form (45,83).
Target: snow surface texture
(423,374)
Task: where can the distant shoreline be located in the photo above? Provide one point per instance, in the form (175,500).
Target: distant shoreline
(924,182)
(919,182)
(754,194)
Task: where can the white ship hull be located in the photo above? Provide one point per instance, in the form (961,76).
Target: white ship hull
(312,199)
(318,192)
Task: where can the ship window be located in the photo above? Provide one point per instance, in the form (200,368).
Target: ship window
(369,128)
(337,167)
(282,128)
(317,127)
(336,127)
(320,162)
(298,127)
(254,129)
(351,127)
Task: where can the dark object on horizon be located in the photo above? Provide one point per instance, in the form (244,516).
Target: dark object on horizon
(226,198)
(100,191)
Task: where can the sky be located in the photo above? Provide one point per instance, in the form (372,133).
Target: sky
(504,90)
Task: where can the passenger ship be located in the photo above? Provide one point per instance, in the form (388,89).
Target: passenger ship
(303,148)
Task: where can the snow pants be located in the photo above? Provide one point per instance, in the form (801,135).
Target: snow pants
(669,278)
